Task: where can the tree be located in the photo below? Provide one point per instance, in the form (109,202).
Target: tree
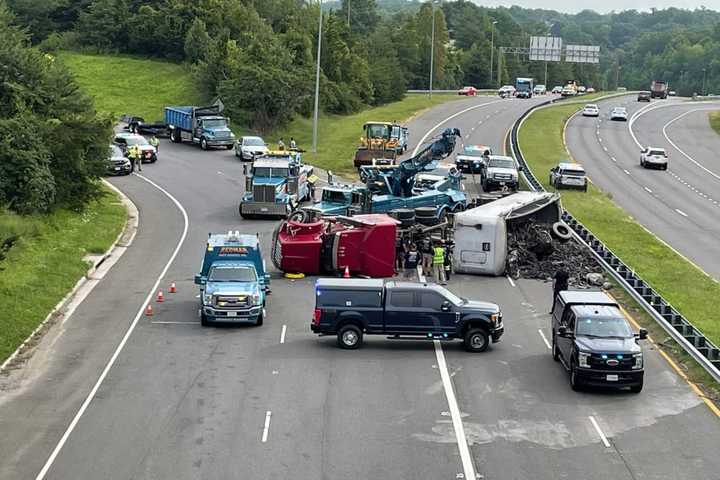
(197,41)
(104,24)
(364,17)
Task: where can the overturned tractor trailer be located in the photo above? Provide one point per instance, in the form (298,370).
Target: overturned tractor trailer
(481,233)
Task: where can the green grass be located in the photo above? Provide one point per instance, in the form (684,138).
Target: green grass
(47,261)
(123,84)
(338,136)
(714,118)
(686,287)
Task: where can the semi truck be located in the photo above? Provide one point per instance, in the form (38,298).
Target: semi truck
(658,89)
(200,125)
(233,280)
(275,185)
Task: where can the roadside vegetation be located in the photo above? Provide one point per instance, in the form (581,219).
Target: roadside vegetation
(139,86)
(542,145)
(714,118)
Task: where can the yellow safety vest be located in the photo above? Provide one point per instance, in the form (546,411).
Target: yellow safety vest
(438,256)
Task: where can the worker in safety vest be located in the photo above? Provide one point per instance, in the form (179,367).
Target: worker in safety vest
(439,263)
(135,157)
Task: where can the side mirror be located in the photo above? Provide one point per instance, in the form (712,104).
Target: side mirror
(642,334)
(445,307)
(200,280)
(562,330)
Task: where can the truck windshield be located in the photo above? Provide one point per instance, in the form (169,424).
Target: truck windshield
(501,163)
(333,196)
(451,296)
(232,274)
(214,123)
(604,327)
(377,131)
(270,172)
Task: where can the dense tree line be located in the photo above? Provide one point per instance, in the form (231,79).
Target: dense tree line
(53,145)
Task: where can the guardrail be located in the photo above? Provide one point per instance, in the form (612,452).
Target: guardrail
(481,91)
(692,340)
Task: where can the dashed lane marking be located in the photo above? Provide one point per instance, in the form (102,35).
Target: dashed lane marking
(282,334)
(510,280)
(603,438)
(647,190)
(681,212)
(544,338)
(266,428)
(626,172)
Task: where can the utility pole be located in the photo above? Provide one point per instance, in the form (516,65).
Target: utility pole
(617,75)
(546,84)
(432,46)
(492,47)
(348,9)
(317,81)
(703,89)
(499,65)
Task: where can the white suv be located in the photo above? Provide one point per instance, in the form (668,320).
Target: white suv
(568,175)
(539,90)
(500,172)
(591,110)
(248,148)
(652,157)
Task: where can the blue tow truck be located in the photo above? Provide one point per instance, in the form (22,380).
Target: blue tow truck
(276,184)
(201,125)
(233,280)
(391,187)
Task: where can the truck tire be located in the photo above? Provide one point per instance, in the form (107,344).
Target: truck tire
(260,319)
(300,216)
(175,136)
(204,320)
(349,337)
(228,147)
(574,382)
(476,340)
(561,231)
(555,350)
(636,388)
(203,143)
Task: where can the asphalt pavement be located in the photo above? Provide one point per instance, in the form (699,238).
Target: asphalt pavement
(186,402)
(681,205)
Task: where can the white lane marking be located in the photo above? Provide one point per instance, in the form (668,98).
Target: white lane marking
(599,431)
(439,124)
(626,172)
(510,280)
(681,212)
(266,428)
(613,159)
(421,276)
(647,189)
(664,131)
(113,358)
(544,338)
(468,467)
(282,334)
(599,139)
(605,148)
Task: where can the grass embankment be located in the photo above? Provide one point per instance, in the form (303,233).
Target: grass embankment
(691,291)
(47,260)
(339,135)
(714,118)
(123,84)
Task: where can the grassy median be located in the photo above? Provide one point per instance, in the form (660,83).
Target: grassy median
(124,84)
(686,287)
(46,261)
(714,118)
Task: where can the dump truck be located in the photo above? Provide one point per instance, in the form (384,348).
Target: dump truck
(276,184)
(380,144)
(658,89)
(233,280)
(200,125)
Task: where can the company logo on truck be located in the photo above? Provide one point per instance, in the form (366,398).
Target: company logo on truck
(232,251)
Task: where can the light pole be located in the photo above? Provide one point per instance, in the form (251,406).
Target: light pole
(432,45)
(617,76)
(703,89)
(317,81)
(348,9)
(492,47)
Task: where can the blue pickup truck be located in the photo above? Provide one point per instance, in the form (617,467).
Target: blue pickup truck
(233,280)
(200,125)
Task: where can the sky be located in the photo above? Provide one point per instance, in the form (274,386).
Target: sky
(603,6)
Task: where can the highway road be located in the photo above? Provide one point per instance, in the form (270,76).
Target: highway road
(180,401)
(681,205)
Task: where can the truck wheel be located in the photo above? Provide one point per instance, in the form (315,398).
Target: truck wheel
(203,143)
(636,388)
(228,147)
(561,231)
(476,340)
(260,319)
(300,216)
(175,136)
(555,350)
(204,320)
(574,382)
(349,337)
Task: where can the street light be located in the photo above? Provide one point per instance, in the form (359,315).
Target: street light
(703,89)
(432,45)
(317,81)
(492,47)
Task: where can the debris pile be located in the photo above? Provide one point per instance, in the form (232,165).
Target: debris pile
(535,252)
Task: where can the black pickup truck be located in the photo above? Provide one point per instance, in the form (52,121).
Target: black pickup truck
(351,308)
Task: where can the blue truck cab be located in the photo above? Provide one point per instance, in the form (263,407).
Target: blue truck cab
(233,280)
(201,125)
(275,185)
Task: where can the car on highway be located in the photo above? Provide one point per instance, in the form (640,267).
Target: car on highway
(473,158)
(248,148)
(591,110)
(594,342)
(590,90)
(568,175)
(581,89)
(124,140)
(507,90)
(654,157)
(556,90)
(118,163)
(351,308)
(672,93)
(539,90)
(619,113)
(643,96)
(468,91)
(499,172)
(568,91)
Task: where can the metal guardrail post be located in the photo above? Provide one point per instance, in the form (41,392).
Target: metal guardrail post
(699,347)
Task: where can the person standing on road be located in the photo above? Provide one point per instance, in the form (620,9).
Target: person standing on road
(412,258)
(293,144)
(281,144)
(448,261)
(155,143)
(427,255)
(399,253)
(135,157)
(439,263)
(560,283)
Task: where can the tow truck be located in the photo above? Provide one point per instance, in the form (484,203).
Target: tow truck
(389,188)
(275,185)
(233,280)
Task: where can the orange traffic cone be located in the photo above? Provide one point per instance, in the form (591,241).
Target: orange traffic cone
(149,311)
(172,288)
(347,272)
(160,297)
